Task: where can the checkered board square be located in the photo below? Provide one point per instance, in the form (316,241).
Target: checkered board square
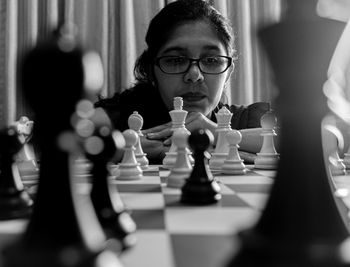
(172,234)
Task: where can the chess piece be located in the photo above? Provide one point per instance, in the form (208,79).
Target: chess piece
(25,159)
(267,158)
(200,188)
(178,117)
(135,122)
(233,164)
(14,200)
(116,222)
(330,134)
(182,167)
(221,150)
(336,164)
(300,224)
(129,168)
(63,229)
(346,159)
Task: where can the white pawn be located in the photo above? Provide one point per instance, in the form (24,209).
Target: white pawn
(178,118)
(233,164)
(182,167)
(221,150)
(267,158)
(135,123)
(129,168)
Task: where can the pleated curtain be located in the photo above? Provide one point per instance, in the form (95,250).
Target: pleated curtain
(116,30)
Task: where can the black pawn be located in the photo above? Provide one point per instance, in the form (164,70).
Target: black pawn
(116,222)
(301,225)
(14,201)
(63,229)
(200,188)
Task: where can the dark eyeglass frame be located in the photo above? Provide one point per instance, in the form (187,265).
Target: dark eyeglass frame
(191,60)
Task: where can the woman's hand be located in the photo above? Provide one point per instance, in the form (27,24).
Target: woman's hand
(155,149)
(194,120)
(160,133)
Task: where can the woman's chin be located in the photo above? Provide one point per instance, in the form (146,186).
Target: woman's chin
(196,106)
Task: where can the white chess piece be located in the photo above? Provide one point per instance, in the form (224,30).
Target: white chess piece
(222,148)
(233,164)
(129,168)
(178,118)
(346,159)
(135,122)
(330,138)
(25,159)
(24,128)
(267,158)
(182,167)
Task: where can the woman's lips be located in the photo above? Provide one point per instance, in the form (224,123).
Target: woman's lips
(192,97)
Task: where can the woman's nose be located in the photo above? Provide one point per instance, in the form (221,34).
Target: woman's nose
(194,74)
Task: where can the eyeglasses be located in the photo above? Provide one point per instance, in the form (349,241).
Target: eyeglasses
(181,64)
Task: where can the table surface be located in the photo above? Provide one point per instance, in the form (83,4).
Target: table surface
(171,234)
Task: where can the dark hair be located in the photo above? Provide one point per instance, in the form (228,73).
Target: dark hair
(168,19)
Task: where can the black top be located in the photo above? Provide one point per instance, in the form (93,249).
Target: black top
(147,101)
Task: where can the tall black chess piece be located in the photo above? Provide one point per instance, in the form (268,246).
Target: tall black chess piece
(301,224)
(115,220)
(200,188)
(15,202)
(63,229)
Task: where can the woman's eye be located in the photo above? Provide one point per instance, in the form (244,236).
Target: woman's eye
(178,60)
(175,61)
(211,60)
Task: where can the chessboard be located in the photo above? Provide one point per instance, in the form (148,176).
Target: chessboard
(172,234)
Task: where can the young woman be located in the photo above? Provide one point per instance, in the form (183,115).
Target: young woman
(190,53)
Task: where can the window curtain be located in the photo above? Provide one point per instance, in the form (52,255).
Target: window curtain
(116,30)
(252,79)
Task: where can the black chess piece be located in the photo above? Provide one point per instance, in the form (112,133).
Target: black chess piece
(15,202)
(200,188)
(301,224)
(115,220)
(63,229)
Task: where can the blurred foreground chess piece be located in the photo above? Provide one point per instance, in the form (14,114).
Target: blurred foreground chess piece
(14,200)
(200,188)
(100,148)
(63,229)
(135,123)
(268,157)
(301,224)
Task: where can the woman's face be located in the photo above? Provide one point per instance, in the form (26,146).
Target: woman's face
(200,92)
